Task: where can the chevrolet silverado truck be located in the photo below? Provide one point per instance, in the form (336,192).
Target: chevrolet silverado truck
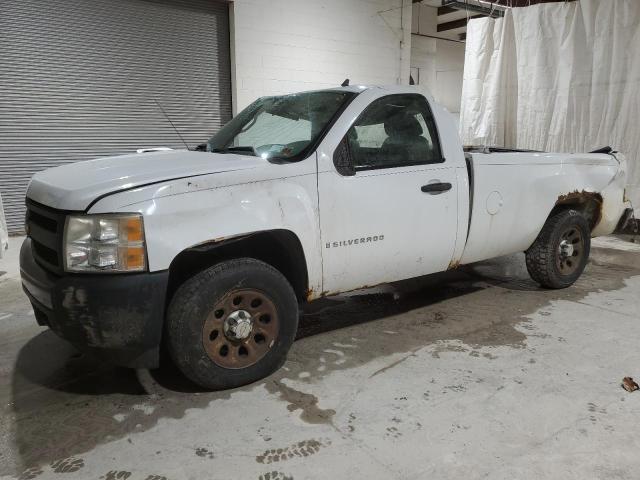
(209,252)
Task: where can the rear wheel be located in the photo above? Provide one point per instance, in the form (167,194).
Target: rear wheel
(232,324)
(560,253)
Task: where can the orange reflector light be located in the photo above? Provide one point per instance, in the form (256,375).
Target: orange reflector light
(133,229)
(134,258)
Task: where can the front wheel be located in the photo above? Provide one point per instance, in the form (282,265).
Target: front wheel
(232,324)
(560,253)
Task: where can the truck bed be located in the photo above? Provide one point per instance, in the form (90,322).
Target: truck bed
(512,193)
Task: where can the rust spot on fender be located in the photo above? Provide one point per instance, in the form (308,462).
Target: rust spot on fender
(328,293)
(204,245)
(454,264)
(312,295)
(590,204)
(309,294)
(578,197)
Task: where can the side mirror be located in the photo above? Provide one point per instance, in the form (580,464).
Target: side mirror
(342,159)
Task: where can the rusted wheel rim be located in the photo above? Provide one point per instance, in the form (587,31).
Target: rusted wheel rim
(570,251)
(241,328)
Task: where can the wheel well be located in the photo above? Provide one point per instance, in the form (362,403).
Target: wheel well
(587,203)
(279,248)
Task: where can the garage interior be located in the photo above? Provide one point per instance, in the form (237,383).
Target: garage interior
(476,372)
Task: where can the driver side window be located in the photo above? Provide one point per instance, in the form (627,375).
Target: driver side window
(394,131)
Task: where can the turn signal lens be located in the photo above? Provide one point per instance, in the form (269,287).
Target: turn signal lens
(133,229)
(135,258)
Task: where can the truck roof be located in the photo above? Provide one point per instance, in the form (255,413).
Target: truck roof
(389,89)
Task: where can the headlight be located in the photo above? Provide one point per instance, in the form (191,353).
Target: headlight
(104,243)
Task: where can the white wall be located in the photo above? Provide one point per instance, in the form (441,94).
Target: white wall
(283,46)
(440,62)
(423,49)
(449,72)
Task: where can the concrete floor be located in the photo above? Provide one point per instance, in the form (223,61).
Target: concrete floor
(472,374)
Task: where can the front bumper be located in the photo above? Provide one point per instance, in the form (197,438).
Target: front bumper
(117,317)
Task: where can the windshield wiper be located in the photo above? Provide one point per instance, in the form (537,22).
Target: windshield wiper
(239,148)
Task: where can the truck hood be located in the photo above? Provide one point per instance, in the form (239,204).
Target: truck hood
(75,186)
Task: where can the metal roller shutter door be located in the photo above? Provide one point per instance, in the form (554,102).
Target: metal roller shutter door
(78,80)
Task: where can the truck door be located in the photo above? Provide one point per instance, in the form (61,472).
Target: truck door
(388,210)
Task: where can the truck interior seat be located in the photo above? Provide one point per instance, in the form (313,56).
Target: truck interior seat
(405,144)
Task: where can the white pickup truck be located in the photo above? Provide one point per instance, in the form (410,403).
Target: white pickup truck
(210,252)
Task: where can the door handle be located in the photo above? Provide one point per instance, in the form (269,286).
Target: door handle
(436,188)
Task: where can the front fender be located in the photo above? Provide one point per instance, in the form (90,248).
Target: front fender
(201,213)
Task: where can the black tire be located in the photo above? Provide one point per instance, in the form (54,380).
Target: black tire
(192,309)
(548,262)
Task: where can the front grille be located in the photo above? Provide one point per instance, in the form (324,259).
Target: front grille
(45,229)
(47,254)
(42,221)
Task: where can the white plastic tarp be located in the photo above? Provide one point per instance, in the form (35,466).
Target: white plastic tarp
(562,77)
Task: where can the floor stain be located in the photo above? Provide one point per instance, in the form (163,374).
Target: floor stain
(450,347)
(391,365)
(30,473)
(595,412)
(264,436)
(350,422)
(204,453)
(68,465)
(306,402)
(116,475)
(274,476)
(393,432)
(455,388)
(301,449)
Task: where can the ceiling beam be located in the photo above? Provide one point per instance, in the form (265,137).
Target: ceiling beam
(473,7)
(445,10)
(443,27)
(523,3)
